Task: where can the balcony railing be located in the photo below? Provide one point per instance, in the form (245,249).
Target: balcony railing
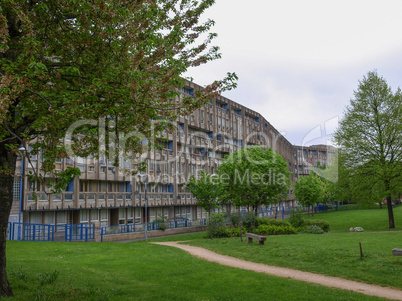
(88,200)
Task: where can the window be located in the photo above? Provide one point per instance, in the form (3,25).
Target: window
(16,188)
(94,215)
(84,216)
(122,216)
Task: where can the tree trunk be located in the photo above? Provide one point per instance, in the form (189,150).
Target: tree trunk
(389,205)
(7,168)
(390,212)
(240,224)
(209,223)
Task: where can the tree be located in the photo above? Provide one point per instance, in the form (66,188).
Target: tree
(206,191)
(106,69)
(329,176)
(309,191)
(253,176)
(370,136)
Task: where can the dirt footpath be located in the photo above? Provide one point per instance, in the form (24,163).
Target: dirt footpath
(368,289)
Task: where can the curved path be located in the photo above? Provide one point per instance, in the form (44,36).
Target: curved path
(368,289)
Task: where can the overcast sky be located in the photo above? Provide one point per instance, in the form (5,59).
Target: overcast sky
(299,62)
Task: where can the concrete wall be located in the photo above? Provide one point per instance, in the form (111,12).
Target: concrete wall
(141,235)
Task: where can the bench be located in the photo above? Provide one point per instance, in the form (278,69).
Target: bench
(251,236)
(397,252)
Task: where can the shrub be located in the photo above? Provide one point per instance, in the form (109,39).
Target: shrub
(161,220)
(162,226)
(249,221)
(262,221)
(317,222)
(234,219)
(267,221)
(279,222)
(216,225)
(296,218)
(313,229)
(274,230)
(235,232)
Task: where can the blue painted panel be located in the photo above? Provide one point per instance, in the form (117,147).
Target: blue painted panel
(70,186)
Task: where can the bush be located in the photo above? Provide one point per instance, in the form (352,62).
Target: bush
(162,226)
(313,229)
(296,219)
(249,221)
(274,230)
(161,220)
(216,226)
(234,219)
(317,222)
(267,221)
(235,232)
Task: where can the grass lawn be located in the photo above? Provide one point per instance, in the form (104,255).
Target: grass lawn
(369,219)
(142,271)
(335,253)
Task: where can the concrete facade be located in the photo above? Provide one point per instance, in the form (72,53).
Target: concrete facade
(106,195)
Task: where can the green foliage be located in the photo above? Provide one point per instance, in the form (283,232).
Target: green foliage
(317,222)
(253,176)
(99,74)
(249,221)
(270,221)
(309,190)
(234,219)
(296,218)
(370,139)
(235,231)
(216,227)
(275,230)
(205,190)
(163,221)
(313,229)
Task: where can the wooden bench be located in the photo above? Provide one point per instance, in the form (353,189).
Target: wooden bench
(397,252)
(251,236)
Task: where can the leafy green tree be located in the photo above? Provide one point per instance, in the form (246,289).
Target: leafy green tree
(206,191)
(329,176)
(115,63)
(370,137)
(253,176)
(309,191)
